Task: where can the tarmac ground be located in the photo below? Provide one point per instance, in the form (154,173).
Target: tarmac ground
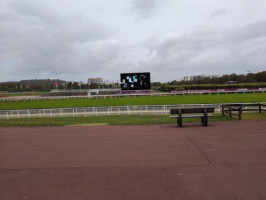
(224,161)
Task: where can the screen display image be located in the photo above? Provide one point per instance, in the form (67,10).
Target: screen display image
(135,81)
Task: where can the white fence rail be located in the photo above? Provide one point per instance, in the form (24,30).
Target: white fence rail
(99,111)
(31,98)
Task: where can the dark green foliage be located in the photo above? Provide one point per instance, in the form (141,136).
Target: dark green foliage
(239,78)
(169,88)
(164,87)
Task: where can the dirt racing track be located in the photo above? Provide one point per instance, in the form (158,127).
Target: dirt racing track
(226,160)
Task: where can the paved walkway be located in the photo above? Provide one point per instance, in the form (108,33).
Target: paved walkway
(226,160)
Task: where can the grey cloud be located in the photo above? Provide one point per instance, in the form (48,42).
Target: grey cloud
(40,41)
(250,31)
(208,50)
(34,12)
(146,8)
(37,41)
(218,13)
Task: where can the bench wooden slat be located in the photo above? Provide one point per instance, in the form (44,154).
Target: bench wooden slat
(190,116)
(190,110)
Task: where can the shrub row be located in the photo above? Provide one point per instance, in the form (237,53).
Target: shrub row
(214,86)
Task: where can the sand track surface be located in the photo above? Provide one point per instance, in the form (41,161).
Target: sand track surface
(226,160)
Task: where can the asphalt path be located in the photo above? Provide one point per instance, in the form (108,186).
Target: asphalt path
(226,160)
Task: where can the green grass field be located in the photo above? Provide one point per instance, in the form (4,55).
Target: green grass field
(124,101)
(114,120)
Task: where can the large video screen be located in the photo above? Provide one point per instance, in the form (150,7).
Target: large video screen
(135,81)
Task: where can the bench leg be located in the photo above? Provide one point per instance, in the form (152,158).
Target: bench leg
(205,118)
(179,122)
(204,121)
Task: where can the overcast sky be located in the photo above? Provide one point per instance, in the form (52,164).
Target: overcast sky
(77,39)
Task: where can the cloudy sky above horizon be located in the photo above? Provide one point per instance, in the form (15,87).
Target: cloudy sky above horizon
(74,40)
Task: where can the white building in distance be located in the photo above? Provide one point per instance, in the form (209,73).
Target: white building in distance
(95,80)
(198,77)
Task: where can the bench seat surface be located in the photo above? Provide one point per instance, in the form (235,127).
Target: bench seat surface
(190,116)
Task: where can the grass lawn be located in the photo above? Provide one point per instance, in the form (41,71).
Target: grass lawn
(114,120)
(124,101)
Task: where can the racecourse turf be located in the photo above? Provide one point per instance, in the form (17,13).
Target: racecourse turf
(126,101)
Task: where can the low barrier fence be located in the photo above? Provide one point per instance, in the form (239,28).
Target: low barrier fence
(238,109)
(173,93)
(99,111)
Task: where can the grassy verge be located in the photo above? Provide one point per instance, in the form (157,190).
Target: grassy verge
(125,101)
(113,120)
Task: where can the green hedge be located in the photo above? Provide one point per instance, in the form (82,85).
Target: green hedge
(214,86)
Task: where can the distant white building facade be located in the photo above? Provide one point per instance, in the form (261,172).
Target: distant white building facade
(198,77)
(95,80)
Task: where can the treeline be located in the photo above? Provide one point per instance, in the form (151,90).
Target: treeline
(168,88)
(248,78)
(40,85)
(44,85)
(50,84)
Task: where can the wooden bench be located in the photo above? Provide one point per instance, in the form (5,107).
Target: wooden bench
(202,113)
(237,109)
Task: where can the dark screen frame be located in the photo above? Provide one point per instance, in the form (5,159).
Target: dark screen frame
(135,81)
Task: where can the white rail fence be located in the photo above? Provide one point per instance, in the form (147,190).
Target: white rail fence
(99,111)
(32,98)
